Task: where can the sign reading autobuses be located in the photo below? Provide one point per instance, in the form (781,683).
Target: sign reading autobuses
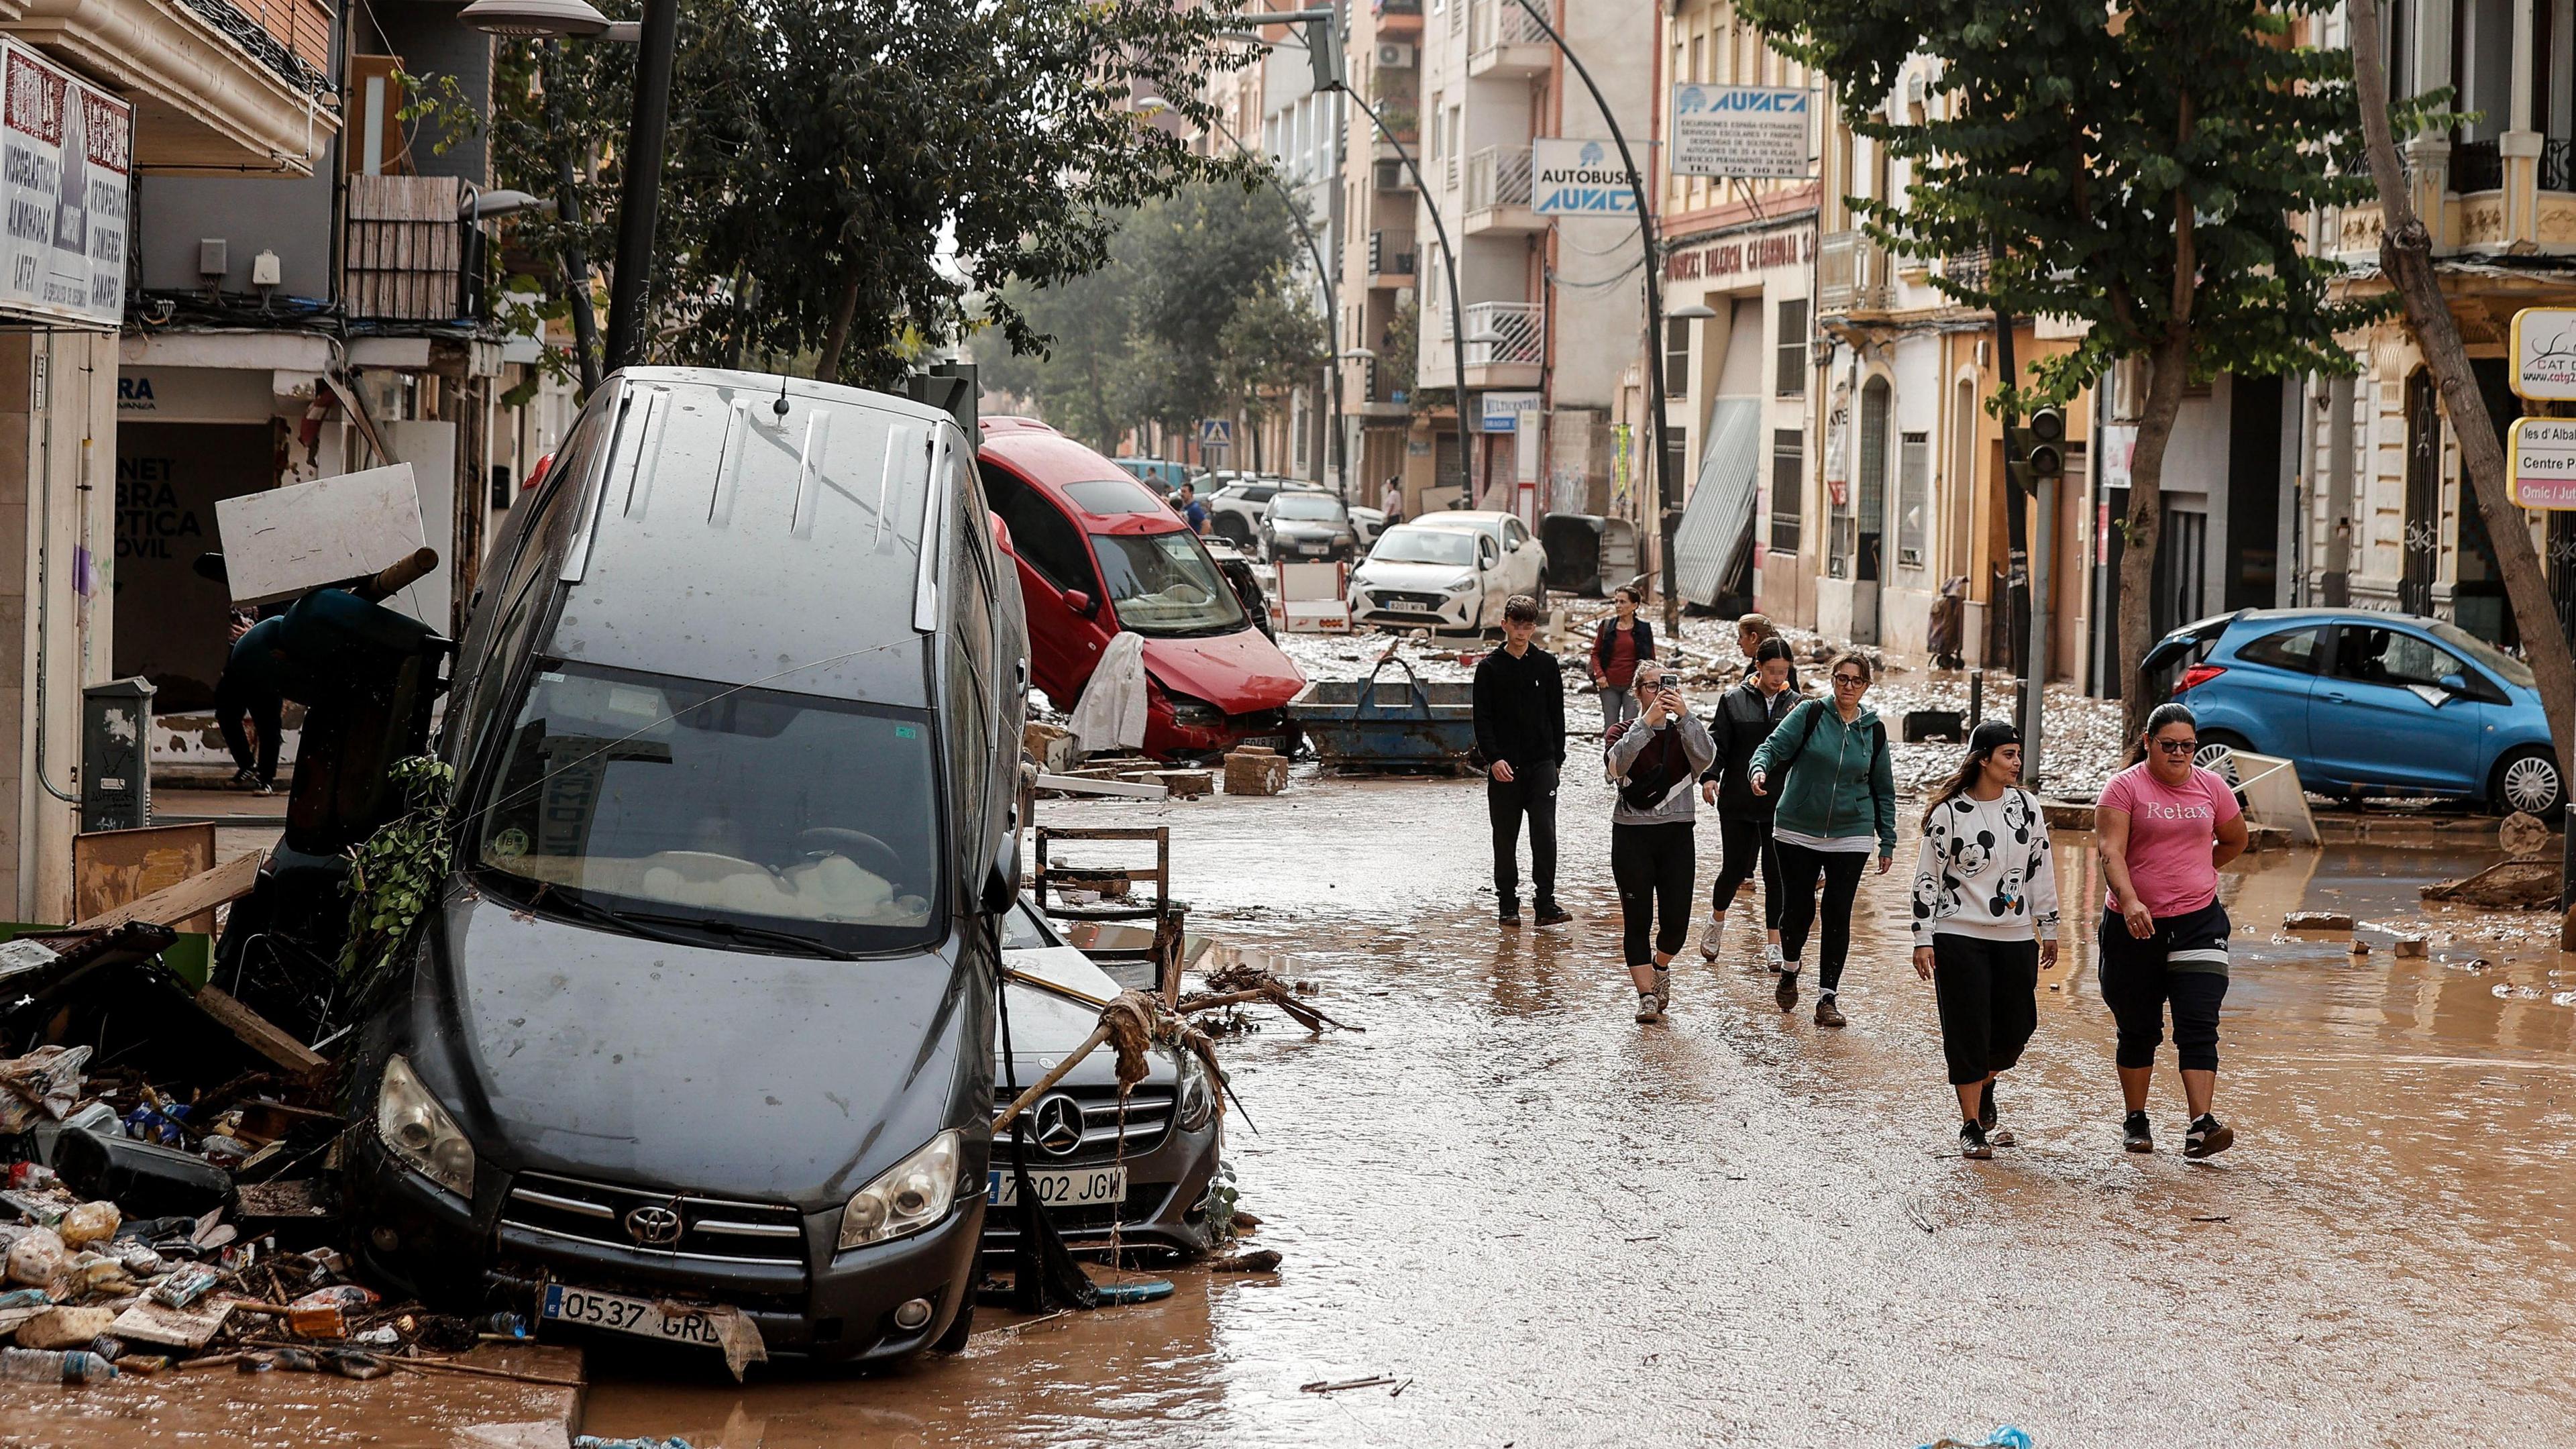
(66,156)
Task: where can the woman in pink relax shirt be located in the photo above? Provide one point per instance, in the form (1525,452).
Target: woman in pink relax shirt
(2165,827)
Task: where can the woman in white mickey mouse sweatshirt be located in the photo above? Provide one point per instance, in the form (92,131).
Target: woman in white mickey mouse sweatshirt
(1985,921)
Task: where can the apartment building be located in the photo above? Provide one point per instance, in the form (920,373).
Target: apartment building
(1550,309)
(1377,295)
(1303,132)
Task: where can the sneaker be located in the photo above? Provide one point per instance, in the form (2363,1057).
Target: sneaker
(1663,989)
(1712,939)
(243,780)
(1772,958)
(2208,1137)
(1509,913)
(1552,914)
(1787,994)
(2134,1134)
(262,787)
(1972,1142)
(1827,1013)
(1649,1010)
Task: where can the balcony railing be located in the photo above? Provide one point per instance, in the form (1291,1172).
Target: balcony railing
(1504,334)
(1498,176)
(292,37)
(1494,24)
(2558,164)
(1397,7)
(1850,272)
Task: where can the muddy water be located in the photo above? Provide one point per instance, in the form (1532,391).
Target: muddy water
(1555,1227)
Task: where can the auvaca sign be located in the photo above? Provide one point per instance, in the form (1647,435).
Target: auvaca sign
(2543,456)
(1579,178)
(1745,131)
(2544,354)
(66,153)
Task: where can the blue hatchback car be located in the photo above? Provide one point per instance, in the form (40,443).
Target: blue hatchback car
(2366,703)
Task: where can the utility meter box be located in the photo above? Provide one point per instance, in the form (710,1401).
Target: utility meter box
(116,755)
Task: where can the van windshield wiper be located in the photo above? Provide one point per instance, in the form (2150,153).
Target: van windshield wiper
(718,926)
(588,910)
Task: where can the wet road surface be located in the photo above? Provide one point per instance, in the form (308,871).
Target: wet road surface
(1554,1226)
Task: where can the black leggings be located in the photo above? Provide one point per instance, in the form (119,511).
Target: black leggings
(1653,865)
(233,699)
(1747,844)
(1987,992)
(1799,869)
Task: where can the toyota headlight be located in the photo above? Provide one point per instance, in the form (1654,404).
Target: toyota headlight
(907,1197)
(420,1132)
(1198,1094)
(1463,585)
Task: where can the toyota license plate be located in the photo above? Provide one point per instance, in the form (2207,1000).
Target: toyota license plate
(620,1314)
(1080,1187)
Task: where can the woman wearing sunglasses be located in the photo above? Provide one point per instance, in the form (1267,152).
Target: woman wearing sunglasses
(1984,887)
(1837,794)
(2165,827)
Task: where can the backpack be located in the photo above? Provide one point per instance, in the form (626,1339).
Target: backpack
(1652,775)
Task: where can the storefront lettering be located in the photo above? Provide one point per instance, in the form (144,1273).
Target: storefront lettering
(150,522)
(1732,257)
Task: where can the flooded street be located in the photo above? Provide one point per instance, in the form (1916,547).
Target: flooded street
(1552,1226)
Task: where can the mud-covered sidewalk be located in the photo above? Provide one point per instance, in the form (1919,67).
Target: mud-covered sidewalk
(1551,1226)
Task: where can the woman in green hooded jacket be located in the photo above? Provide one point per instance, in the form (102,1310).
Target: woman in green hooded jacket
(1837,791)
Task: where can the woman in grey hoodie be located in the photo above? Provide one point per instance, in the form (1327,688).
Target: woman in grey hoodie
(1656,760)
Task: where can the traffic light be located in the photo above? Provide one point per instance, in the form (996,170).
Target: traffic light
(2036,451)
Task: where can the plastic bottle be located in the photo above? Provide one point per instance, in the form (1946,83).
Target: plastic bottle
(28,1176)
(44,1366)
(91,1222)
(508,1325)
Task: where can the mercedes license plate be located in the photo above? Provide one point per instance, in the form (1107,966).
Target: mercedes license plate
(1079,1187)
(620,1314)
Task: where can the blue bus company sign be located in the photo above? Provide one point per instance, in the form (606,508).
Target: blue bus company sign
(1579,178)
(1743,131)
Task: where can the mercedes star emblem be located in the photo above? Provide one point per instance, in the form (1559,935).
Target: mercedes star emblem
(653,1226)
(1057,1126)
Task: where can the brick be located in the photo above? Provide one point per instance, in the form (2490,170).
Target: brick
(1250,774)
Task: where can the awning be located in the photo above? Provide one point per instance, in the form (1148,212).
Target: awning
(1714,543)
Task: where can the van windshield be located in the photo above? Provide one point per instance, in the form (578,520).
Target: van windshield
(728,808)
(1164,583)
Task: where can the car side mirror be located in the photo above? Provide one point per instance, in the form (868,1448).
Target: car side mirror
(1002,880)
(1081,603)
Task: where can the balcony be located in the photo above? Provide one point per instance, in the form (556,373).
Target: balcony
(1498,193)
(219,86)
(1375,394)
(1398,19)
(1390,259)
(1506,343)
(1851,274)
(1502,40)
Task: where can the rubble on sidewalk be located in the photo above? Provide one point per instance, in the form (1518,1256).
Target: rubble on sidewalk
(1255,770)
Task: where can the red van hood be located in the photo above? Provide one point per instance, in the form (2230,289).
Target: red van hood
(1239,673)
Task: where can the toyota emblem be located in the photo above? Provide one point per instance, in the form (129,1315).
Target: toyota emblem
(653,1226)
(1057,1126)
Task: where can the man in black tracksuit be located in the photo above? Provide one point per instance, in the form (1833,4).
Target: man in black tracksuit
(1520,735)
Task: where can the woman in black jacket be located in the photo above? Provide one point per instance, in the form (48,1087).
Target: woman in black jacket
(1745,717)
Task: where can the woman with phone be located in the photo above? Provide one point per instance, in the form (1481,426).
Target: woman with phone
(1837,794)
(1655,760)
(2166,826)
(1984,885)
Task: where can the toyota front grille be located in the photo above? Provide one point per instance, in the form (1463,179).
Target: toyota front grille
(642,1221)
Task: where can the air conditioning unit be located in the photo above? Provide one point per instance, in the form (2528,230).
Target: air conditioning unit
(1394,56)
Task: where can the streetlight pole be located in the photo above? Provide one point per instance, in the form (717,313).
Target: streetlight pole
(1667,516)
(640,200)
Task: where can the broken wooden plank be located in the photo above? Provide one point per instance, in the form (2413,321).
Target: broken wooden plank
(196,895)
(1121,788)
(260,1035)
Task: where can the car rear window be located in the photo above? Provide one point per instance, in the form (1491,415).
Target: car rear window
(1111,496)
(2291,649)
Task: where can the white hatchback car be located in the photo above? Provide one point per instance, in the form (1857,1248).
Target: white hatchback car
(1432,574)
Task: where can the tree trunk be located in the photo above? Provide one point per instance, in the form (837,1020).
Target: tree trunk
(2169,368)
(2406,255)
(837,341)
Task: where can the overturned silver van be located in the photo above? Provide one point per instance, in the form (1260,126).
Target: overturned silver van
(702,1028)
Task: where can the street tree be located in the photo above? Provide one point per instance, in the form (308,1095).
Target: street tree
(857,180)
(2139,171)
(2406,258)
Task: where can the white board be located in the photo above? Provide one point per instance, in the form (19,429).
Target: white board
(283,542)
(430,449)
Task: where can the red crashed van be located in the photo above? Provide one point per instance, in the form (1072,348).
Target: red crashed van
(1099,553)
